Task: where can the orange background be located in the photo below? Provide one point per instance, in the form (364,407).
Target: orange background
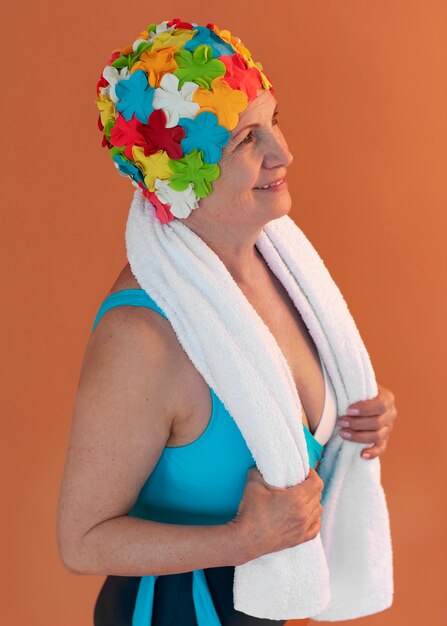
(361,87)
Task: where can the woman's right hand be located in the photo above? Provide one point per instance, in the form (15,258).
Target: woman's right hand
(270,519)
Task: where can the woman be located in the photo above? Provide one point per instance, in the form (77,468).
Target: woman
(153,485)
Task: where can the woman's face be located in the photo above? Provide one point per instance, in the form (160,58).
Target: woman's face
(253,157)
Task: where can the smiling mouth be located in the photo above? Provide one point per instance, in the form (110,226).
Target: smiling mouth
(275,184)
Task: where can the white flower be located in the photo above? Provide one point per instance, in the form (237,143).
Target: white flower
(181,202)
(113,76)
(175,103)
(164,28)
(137,42)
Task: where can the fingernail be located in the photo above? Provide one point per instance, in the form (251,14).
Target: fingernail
(353,412)
(345,434)
(343,423)
(366,456)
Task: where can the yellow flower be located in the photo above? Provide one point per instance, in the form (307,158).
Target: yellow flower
(243,50)
(265,81)
(156,64)
(153,166)
(177,39)
(222,100)
(106,108)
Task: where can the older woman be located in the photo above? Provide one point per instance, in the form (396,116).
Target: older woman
(158,481)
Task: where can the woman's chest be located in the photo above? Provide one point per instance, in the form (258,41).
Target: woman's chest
(273,305)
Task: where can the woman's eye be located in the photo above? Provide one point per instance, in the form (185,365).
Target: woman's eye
(249,136)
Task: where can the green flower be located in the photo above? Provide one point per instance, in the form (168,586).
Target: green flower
(128,60)
(199,67)
(192,169)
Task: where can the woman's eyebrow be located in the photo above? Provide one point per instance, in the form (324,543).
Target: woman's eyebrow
(276,111)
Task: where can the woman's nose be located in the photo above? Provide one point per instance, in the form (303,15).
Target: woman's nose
(278,153)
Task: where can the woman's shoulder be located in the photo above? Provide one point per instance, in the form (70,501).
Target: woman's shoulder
(134,339)
(139,324)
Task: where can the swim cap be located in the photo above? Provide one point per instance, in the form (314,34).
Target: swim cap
(167,104)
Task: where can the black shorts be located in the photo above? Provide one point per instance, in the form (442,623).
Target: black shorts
(173,600)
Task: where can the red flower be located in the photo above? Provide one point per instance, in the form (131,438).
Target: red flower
(114,56)
(179,24)
(101,83)
(105,142)
(240,76)
(162,211)
(127,133)
(158,137)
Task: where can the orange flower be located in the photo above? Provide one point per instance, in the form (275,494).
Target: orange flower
(156,64)
(143,35)
(229,38)
(222,100)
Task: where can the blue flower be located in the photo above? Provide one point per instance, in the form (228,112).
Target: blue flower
(127,168)
(209,37)
(204,133)
(135,97)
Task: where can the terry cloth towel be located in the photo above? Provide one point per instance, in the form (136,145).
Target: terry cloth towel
(346,571)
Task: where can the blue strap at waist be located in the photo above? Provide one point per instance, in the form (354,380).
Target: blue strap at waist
(203,603)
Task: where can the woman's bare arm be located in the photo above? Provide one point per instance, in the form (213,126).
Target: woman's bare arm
(123,414)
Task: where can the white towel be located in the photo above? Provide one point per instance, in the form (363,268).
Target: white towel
(346,572)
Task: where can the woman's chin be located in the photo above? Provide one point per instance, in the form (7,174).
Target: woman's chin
(280,207)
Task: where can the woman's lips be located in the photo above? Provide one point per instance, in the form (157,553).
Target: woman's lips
(279,187)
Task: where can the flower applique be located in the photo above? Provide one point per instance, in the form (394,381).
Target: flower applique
(102,86)
(239,76)
(205,36)
(126,167)
(156,63)
(192,169)
(143,37)
(177,23)
(129,56)
(177,39)
(113,76)
(135,96)
(106,109)
(264,79)
(199,67)
(227,103)
(162,211)
(126,133)
(174,102)
(156,29)
(158,137)
(225,35)
(105,143)
(182,202)
(204,133)
(156,165)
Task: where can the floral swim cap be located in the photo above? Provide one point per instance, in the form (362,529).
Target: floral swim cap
(167,104)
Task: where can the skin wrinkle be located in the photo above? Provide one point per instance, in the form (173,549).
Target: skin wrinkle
(231,218)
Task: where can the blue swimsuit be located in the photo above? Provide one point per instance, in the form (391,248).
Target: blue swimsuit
(199,483)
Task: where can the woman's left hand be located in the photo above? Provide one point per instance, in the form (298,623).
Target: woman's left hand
(373,424)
